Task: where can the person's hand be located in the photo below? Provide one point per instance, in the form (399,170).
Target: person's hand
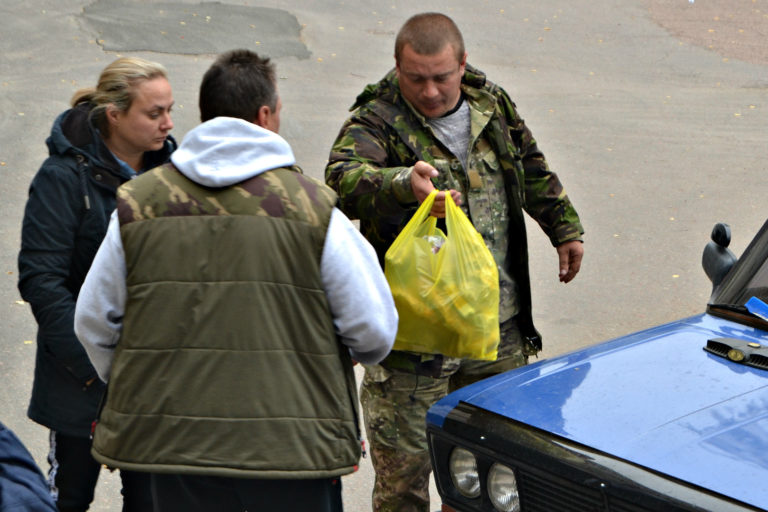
(570,255)
(421,183)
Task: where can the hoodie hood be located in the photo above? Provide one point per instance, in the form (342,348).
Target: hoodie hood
(73,132)
(226,150)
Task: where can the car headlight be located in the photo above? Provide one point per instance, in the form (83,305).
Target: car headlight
(502,488)
(463,468)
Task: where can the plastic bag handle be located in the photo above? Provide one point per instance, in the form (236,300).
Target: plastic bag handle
(454,215)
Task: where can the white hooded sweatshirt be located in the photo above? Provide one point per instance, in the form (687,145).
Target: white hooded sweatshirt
(220,153)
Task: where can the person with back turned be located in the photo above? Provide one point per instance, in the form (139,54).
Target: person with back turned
(220,310)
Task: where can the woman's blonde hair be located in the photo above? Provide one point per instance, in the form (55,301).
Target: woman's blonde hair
(117,87)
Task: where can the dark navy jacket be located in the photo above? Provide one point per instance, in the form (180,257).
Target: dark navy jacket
(70,201)
(22,486)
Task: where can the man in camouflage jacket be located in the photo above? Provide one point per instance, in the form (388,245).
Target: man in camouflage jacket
(436,122)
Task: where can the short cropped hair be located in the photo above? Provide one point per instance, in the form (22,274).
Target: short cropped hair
(428,33)
(238,84)
(117,87)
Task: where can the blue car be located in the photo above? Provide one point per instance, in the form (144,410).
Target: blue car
(673,418)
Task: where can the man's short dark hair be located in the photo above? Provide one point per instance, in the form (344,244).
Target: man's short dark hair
(428,33)
(237,85)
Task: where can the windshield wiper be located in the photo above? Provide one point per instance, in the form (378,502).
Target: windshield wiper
(736,308)
(739,312)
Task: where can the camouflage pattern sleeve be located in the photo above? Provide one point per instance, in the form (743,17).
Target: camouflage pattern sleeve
(544,197)
(368,170)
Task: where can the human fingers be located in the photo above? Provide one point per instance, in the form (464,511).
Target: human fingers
(570,255)
(421,180)
(438,207)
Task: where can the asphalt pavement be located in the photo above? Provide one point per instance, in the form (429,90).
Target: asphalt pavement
(652,112)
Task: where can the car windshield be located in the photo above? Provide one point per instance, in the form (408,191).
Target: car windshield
(747,279)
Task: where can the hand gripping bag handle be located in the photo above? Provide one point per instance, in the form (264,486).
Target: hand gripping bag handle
(413,225)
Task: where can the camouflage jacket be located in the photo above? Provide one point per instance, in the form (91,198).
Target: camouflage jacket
(369,167)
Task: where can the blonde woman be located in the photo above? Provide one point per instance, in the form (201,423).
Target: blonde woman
(113,132)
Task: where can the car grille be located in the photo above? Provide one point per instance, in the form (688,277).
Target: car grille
(547,494)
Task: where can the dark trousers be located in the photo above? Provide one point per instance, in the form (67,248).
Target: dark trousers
(73,474)
(194,493)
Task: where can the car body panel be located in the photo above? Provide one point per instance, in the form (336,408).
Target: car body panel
(654,398)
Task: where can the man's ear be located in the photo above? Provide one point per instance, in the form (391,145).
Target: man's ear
(262,116)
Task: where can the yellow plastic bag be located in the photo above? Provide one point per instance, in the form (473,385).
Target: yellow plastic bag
(446,288)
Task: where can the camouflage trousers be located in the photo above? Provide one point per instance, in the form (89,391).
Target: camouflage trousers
(395,403)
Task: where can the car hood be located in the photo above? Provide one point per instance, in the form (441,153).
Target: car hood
(654,398)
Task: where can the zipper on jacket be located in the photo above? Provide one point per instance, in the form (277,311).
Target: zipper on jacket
(81,171)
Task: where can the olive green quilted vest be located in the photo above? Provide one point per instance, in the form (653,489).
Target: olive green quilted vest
(228,363)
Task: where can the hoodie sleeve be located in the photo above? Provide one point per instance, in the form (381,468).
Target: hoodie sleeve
(101,304)
(363,309)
